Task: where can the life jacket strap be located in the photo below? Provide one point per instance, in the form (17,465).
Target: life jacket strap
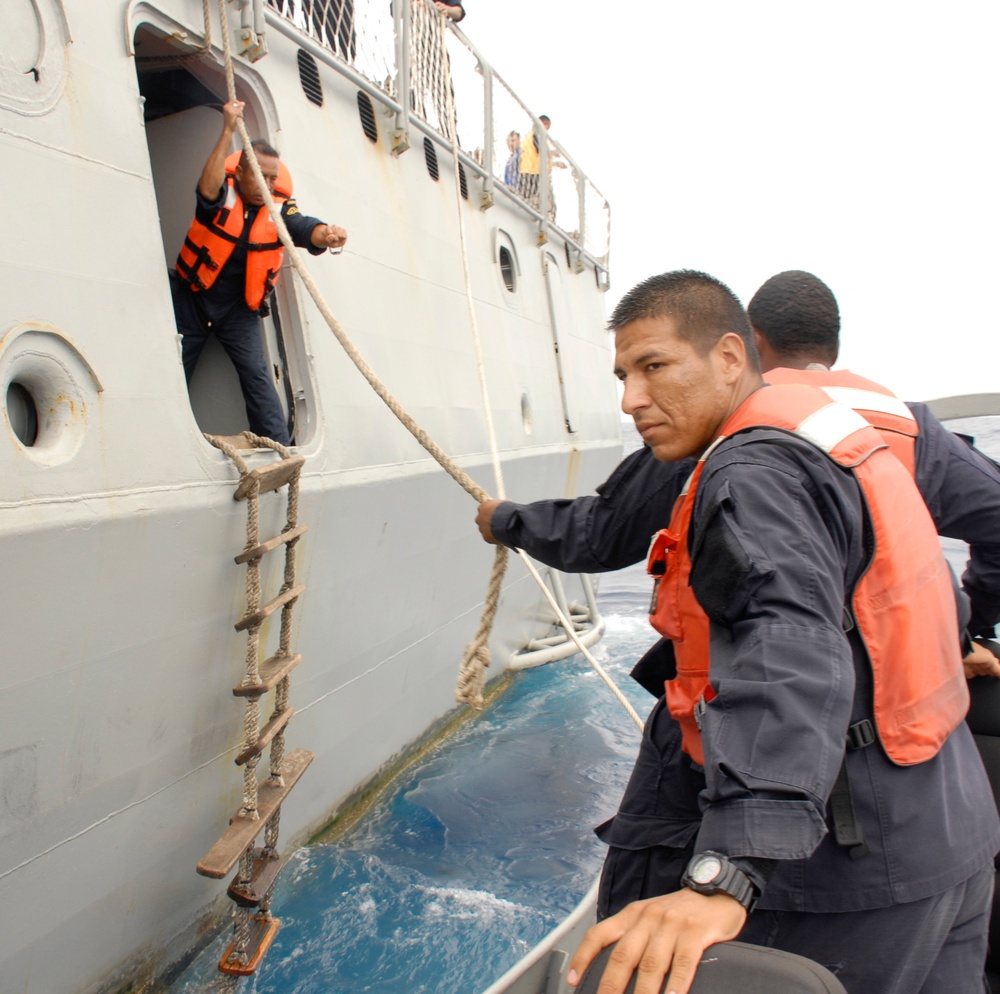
(847,830)
(201,258)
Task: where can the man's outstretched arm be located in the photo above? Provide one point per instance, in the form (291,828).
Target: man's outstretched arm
(596,533)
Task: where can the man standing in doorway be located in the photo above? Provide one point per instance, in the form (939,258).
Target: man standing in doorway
(230,262)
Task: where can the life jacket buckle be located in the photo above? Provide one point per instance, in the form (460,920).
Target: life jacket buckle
(656,590)
(861,734)
(700,707)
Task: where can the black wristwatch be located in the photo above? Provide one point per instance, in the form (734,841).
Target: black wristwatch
(711,873)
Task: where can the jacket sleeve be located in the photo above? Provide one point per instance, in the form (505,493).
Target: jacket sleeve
(770,554)
(961,488)
(597,533)
(300,226)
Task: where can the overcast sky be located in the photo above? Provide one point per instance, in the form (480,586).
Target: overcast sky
(856,140)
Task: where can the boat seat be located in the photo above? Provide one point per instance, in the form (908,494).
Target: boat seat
(729,967)
(984,720)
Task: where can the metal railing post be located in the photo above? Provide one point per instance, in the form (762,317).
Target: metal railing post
(487,200)
(544,179)
(401,23)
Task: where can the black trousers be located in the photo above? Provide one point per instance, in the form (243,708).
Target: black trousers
(239,335)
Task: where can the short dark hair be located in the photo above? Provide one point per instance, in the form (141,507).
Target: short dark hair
(798,315)
(261,147)
(704,308)
(545,117)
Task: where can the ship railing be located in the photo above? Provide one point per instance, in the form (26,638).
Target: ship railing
(585,618)
(972,405)
(543,970)
(388,49)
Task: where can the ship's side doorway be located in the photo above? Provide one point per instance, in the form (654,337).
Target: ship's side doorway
(181,107)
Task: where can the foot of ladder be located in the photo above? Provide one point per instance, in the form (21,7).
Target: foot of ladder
(263,929)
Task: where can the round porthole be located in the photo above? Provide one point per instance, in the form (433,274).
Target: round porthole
(527,418)
(49,392)
(22,413)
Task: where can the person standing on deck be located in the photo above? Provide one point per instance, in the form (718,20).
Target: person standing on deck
(512,171)
(230,263)
(529,164)
(769,557)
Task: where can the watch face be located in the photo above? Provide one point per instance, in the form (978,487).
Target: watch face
(706,869)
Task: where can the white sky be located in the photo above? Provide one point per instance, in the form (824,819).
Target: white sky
(856,140)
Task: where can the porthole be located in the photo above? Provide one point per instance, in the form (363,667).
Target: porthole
(507,270)
(367,114)
(49,392)
(430,157)
(463,183)
(22,413)
(527,418)
(309,78)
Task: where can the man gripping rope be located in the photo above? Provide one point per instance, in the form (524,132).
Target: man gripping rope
(230,262)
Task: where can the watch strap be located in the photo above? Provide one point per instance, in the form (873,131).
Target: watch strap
(729,880)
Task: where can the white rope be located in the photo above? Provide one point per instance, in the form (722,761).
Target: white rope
(571,632)
(566,623)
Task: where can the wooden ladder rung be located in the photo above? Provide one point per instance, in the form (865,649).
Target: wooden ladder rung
(268,732)
(262,932)
(249,893)
(235,841)
(272,672)
(259,616)
(271,476)
(271,544)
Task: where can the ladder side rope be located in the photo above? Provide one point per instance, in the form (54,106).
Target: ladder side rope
(470,690)
(251,714)
(476,680)
(475,660)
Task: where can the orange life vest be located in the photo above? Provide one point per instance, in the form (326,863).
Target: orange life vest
(877,405)
(903,605)
(207,248)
